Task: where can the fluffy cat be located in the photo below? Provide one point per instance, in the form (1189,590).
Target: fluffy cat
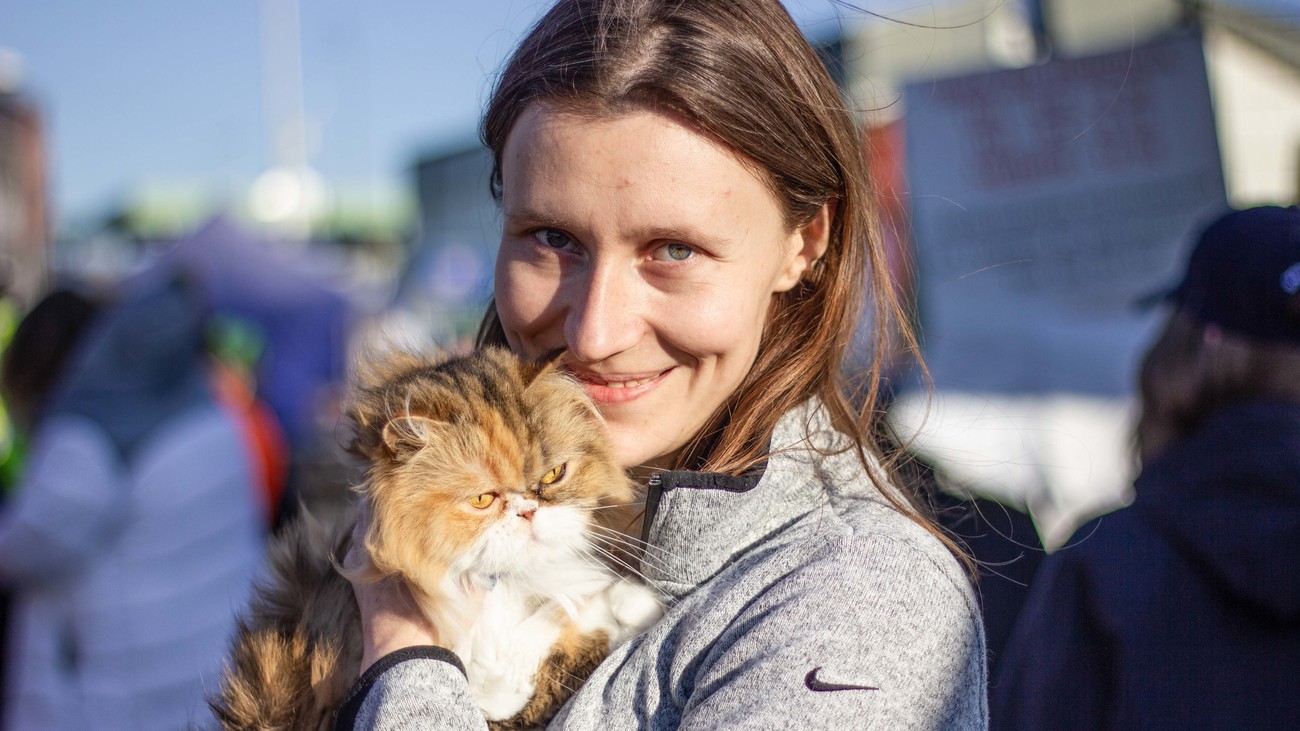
(489,486)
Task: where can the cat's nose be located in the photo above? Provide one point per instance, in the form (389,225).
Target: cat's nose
(524,507)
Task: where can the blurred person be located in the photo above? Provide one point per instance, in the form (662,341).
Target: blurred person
(134,531)
(43,346)
(1183,611)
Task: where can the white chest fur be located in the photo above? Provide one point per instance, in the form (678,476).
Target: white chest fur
(517,630)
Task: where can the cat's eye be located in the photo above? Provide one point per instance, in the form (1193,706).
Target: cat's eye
(554,475)
(483,501)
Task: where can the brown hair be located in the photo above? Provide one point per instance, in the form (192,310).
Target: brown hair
(39,353)
(741,71)
(1194,369)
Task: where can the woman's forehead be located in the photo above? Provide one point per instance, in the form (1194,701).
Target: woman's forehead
(647,169)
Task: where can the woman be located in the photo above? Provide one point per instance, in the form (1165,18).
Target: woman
(1183,611)
(686,211)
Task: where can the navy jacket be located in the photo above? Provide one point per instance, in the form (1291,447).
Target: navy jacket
(1182,611)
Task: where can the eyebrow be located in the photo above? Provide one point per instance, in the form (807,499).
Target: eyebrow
(686,235)
(531,218)
(520,216)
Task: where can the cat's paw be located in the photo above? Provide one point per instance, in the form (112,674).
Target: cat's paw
(502,690)
(501,704)
(634,606)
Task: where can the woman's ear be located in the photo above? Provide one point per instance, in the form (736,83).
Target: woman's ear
(806,246)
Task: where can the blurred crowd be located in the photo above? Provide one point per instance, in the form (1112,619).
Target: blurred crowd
(145,465)
(157,430)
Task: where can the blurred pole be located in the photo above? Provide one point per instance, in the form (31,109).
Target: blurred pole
(288,192)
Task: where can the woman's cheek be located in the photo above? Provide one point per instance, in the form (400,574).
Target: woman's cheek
(721,326)
(523,297)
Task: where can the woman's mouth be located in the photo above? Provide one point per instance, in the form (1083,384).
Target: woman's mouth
(613,388)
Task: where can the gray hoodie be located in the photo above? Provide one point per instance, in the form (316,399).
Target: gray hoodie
(798,598)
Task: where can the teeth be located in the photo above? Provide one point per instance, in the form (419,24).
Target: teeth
(628,384)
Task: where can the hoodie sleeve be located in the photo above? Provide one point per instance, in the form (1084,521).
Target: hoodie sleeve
(878,633)
(414,688)
(70,502)
(1057,666)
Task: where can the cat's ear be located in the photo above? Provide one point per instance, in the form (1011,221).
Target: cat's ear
(549,361)
(406,435)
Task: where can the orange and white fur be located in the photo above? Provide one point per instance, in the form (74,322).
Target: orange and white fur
(493,495)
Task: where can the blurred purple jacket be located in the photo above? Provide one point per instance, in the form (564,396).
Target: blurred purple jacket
(133,536)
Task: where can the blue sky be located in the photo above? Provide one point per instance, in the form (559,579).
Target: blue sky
(168,92)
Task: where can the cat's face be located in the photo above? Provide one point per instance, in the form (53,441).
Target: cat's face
(482,466)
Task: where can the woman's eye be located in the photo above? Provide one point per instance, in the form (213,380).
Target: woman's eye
(484,501)
(675,252)
(553,238)
(554,475)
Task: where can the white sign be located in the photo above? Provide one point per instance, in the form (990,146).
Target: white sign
(1045,201)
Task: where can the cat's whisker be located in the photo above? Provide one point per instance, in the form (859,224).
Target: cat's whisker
(610,557)
(623,539)
(634,542)
(562,671)
(613,546)
(635,571)
(644,560)
(606,507)
(605,530)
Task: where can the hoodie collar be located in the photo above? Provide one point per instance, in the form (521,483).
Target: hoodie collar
(699,522)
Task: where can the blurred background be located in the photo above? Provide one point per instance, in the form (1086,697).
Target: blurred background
(1041,168)
(1041,165)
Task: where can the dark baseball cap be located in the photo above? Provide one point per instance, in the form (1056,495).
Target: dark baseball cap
(1244,275)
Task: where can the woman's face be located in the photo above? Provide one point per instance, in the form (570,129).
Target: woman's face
(651,253)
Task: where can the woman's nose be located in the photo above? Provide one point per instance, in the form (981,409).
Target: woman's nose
(603,315)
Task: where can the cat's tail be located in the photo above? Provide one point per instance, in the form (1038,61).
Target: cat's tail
(297,649)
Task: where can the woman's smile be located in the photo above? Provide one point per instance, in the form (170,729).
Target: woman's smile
(616,388)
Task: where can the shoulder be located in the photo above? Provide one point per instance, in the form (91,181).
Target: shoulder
(203,432)
(73,446)
(889,562)
(1109,567)
(1112,545)
(863,534)
(884,569)
(72,431)
(862,558)
(882,604)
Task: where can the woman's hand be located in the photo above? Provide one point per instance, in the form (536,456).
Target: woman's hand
(390,618)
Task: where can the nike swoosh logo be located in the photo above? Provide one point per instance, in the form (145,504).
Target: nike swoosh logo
(814,684)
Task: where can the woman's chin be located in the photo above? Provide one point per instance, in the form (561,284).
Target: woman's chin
(634,454)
